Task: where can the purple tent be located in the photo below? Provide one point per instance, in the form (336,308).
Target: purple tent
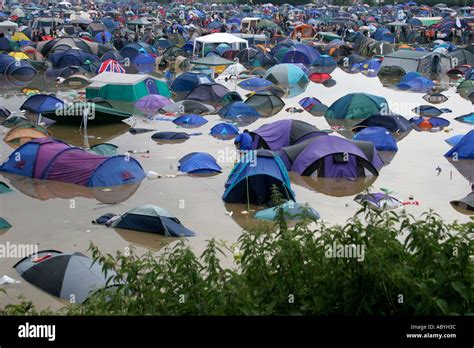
(151,104)
(275,135)
(332,157)
(50,159)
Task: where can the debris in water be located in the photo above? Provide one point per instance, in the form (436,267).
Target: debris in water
(8,280)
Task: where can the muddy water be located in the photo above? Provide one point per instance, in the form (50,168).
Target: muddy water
(58,216)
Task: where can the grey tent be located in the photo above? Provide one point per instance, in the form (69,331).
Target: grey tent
(187,107)
(266,103)
(71,276)
(420,61)
(465,205)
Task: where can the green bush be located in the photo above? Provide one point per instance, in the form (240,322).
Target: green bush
(410,267)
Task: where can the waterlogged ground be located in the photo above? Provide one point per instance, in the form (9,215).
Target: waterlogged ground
(58,216)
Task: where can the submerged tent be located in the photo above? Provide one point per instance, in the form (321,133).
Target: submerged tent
(313,105)
(288,76)
(238,110)
(252,179)
(393,123)
(273,136)
(199,163)
(185,83)
(190,121)
(224,131)
(464,149)
(70,276)
(125,87)
(465,205)
(430,111)
(469,118)
(332,157)
(151,104)
(40,103)
(291,211)
(152,219)
(266,103)
(379,136)
(209,93)
(357,105)
(188,106)
(50,159)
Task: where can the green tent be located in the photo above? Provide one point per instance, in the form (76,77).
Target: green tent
(357,105)
(4,225)
(466,88)
(105,149)
(125,87)
(4,188)
(328,36)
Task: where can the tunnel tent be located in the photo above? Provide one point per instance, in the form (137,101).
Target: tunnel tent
(152,219)
(50,159)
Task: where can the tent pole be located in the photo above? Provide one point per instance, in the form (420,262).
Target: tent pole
(248,196)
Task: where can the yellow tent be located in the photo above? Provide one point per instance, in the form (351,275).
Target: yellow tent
(19,36)
(18,55)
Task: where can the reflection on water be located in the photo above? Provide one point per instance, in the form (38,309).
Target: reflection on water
(244,218)
(464,167)
(336,187)
(45,190)
(151,241)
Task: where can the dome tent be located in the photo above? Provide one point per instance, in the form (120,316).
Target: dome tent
(152,219)
(252,179)
(199,163)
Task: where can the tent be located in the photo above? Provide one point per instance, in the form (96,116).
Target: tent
(378,201)
(291,211)
(237,110)
(70,276)
(125,87)
(254,84)
(426,122)
(252,179)
(40,103)
(224,131)
(469,118)
(464,149)
(415,84)
(24,133)
(172,137)
(19,70)
(288,76)
(186,82)
(190,121)
(393,123)
(273,136)
(357,105)
(105,149)
(152,219)
(111,65)
(266,103)
(313,105)
(188,106)
(209,93)
(151,104)
(49,159)
(199,163)
(71,57)
(332,157)
(421,61)
(324,64)
(379,136)
(145,63)
(430,111)
(217,38)
(465,205)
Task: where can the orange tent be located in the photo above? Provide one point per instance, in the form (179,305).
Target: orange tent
(307,31)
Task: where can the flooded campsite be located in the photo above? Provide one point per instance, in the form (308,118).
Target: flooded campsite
(119,124)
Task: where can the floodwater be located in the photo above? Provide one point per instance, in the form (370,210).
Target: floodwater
(58,216)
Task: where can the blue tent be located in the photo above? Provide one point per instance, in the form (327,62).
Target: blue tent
(190,121)
(254,84)
(430,111)
(107,36)
(455,139)
(324,64)
(20,70)
(71,57)
(394,123)
(132,50)
(186,82)
(379,136)
(145,63)
(199,163)
(469,118)
(238,109)
(464,149)
(252,179)
(417,84)
(224,131)
(383,34)
(5,44)
(40,103)
(170,136)
(430,122)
